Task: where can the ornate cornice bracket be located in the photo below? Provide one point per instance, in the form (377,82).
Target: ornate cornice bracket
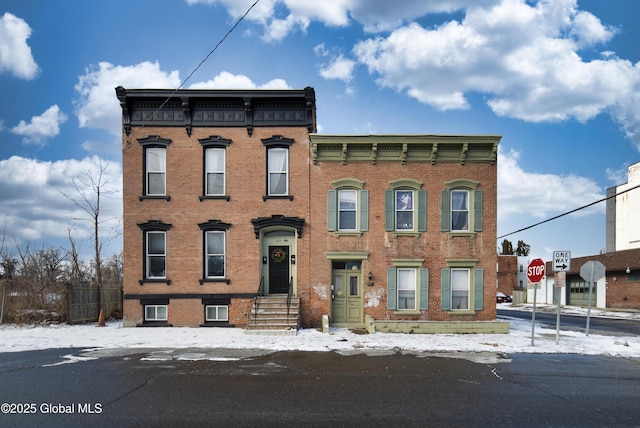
(248,113)
(121,93)
(463,154)
(186,111)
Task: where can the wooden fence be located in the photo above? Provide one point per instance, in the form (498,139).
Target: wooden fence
(84,302)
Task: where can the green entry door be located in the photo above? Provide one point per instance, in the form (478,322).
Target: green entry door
(346,295)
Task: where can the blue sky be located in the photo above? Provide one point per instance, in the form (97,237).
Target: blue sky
(559,80)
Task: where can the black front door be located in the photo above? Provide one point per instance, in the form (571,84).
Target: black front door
(278,269)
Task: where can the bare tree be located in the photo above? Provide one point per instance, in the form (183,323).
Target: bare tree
(88,190)
(78,271)
(39,284)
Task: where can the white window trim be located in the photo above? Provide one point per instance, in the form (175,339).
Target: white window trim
(468,209)
(413,210)
(149,171)
(206,311)
(224,253)
(285,172)
(156,307)
(415,288)
(149,256)
(209,151)
(468,289)
(355,210)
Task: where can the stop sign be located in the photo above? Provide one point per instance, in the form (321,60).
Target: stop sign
(535,271)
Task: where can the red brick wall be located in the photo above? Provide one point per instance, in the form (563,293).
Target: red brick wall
(246,185)
(507,274)
(433,245)
(622,293)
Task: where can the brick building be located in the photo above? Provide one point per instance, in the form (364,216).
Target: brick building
(507,274)
(618,289)
(231,199)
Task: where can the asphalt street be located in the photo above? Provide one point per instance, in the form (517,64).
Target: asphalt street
(245,388)
(597,325)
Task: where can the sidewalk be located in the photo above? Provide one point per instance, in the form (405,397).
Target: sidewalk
(573,310)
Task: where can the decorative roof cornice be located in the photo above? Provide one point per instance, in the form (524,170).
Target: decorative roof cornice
(405,148)
(217,108)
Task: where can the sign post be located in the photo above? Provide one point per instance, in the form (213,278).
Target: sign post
(592,271)
(535,272)
(561,264)
(559,281)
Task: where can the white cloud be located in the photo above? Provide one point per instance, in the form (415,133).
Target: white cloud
(626,110)
(278,29)
(618,176)
(320,50)
(541,195)
(525,57)
(15,53)
(41,127)
(340,68)
(33,207)
(226,80)
(262,12)
(97,105)
(385,15)
(280,18)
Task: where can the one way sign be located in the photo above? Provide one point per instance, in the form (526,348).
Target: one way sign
(561,261)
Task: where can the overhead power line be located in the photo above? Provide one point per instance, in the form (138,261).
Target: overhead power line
(568,212)
(206,57)
(217,45)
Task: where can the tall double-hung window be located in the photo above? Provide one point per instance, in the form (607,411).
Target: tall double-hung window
(408,286)
(462,287)
(405,207)
(462,207)
(347,209)
(215,165)
(156,171)
(214,251)
(215,172)
(277,174)
(154,166)
(155,251)
(278,165)
(347,206)
(215,254)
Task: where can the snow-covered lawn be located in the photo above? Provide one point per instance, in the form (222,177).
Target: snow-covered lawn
(15,338)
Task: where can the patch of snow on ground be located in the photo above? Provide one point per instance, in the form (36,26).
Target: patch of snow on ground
(194,341)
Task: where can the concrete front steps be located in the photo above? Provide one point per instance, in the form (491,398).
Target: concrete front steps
(269,316)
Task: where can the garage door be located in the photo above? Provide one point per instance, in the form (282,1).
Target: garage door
(579,293)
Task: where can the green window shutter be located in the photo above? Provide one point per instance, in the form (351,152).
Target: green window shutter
(445,289)
(422,210)
(478,288)
(364,210)
(424,289)
(389,211)
(477,211)
(332,214)
(445,211)
(392,296)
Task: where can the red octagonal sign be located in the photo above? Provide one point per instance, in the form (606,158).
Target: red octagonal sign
(535,271)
